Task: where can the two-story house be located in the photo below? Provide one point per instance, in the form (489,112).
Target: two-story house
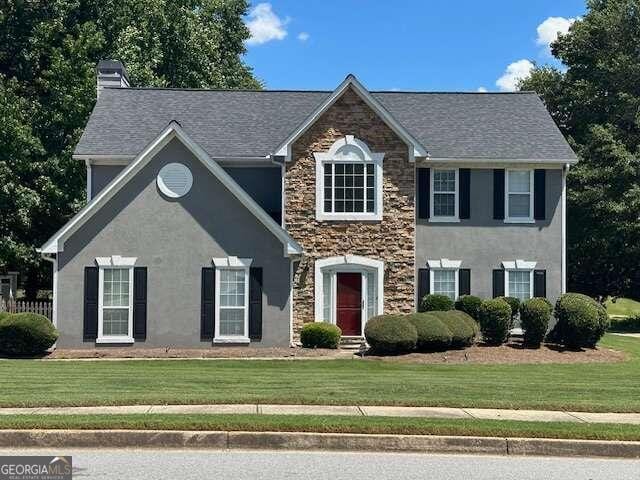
(237,216)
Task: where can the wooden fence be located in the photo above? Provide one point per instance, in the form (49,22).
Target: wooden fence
(43,307)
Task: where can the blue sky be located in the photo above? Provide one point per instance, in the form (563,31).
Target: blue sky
(431,45)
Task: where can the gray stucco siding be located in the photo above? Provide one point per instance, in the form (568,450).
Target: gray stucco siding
(174,239)
(482,243)
(102,175)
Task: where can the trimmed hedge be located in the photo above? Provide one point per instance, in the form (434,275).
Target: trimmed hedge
(627,325)
(434,302)
(581,320)
(462,327)
(534,318)
(26,334)
(433,335)
(514,304)
(495,321)
(469,304)
(320,335)
(391,334)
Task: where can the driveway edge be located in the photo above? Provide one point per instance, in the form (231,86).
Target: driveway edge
(316,441)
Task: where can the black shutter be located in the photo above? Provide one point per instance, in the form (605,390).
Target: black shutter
(539,193)
(464,281)
(498,194)
(423,193)
(255,303)
(423,285)
(90,329)
(464,176)
(540,283)
(498,283)
(207,307)
(140,303)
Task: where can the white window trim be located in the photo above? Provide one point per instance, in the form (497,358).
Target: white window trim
(232,263)
(507,218)
(456,216)
(332,156)
(518,266)
(444,264)
(347,263)
(114,262)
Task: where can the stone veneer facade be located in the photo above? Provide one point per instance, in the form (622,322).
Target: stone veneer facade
(391,240)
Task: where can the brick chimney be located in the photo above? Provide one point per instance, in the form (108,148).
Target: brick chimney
(111,73)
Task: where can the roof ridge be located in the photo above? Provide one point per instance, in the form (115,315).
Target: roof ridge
(249,90)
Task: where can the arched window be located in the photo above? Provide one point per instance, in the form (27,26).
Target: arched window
(349,182)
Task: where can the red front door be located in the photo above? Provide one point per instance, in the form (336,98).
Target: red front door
(349,303)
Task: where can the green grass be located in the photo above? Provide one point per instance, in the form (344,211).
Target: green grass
(327,424)
(584,387)
(623,307)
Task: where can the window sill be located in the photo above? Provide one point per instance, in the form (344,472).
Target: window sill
(519,220)
(231,340)
(328,217)
(115,340)
(444,220)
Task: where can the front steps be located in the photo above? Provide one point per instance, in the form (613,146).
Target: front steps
(352,343)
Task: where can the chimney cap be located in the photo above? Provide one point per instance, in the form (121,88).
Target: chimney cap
(115,65)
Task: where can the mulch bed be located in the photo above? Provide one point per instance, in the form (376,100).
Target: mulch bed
(511,353)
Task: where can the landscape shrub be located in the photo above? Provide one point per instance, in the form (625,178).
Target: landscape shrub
(320,335)
(495,320)
(534,318)
(391,334)
(460,325)
(26,334)
(626,325)
(581,320)
(435,302)
(469,304)
(3,315)
(433,335)
(514,304)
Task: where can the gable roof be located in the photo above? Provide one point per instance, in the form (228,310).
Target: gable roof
(56,243)
(416,148)
(253,124)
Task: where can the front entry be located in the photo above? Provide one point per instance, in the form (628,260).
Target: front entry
(349,303)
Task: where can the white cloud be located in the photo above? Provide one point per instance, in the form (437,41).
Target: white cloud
(482,90)
(515,72)
(549,29)
(265,25)
(303,36)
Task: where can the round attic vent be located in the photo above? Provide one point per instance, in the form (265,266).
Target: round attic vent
(175,180)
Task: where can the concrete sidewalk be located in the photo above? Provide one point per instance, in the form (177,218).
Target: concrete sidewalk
(352,410)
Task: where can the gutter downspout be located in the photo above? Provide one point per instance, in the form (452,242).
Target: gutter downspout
(563,267)
(54,314)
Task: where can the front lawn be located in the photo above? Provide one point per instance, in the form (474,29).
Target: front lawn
(624,307)
(584,386)
(328,424)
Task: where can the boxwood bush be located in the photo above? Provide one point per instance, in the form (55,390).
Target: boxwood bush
(433,335)
(391,334)
(462,327)
(581,320)
(435,302)
(495,321)
(627,325)
(320,335)
(469,304)
(26,334)
(514,303)
(534,318)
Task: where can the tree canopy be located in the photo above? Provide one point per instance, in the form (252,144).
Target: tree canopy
(48,53)
(595,100)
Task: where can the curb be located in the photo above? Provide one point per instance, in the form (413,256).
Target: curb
(316,441)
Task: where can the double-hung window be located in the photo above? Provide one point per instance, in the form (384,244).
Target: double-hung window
(444,195)
(232,300)
(519,284)
(519,196)
(443,277)
(348,182)
(115,299)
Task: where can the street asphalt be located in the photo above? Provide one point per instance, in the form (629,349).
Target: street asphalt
(253,465)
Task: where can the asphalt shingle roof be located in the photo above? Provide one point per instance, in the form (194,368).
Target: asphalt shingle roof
(253,123)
